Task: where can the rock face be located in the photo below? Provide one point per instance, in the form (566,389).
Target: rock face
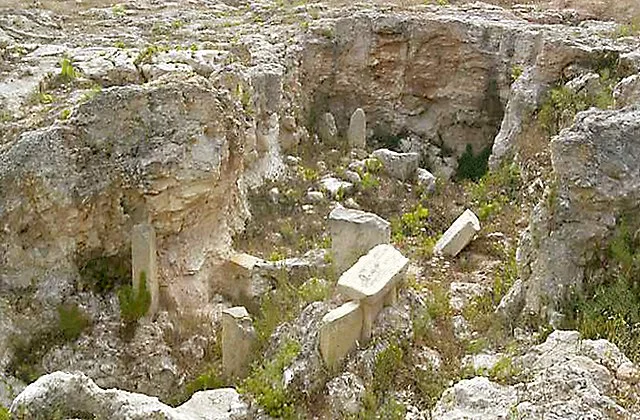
(76,395)
(597,180)
(566,378)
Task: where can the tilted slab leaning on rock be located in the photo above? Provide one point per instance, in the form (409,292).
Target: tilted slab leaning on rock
(341,329)
(373,281)
(354,233)
(459,234)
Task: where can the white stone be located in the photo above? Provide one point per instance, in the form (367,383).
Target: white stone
(315,196)
(334,186)
(238,339)
(402,166)
(357,133)
(373,281)
(352,177)
(459,234)
(426,179)
(143,262)
(354,233)
(339,333)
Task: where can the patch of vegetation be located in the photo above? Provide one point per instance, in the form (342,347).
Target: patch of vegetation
(495,190)
(4,413)
(120,44)
(472,166)
(65,113)
(68,73)
(134,305)
(146,55)
(505,371)
(72,321)
(266,386)
(105,274)
(562,103)
(628,29)
(314,290)
(608,306)
(26,362)
(516,72)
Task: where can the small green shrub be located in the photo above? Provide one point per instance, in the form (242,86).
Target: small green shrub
(119,44)
(104,274)
(314,290)
(471,166)
(64,114)
(369,181)
(134,306)
(516,72)
(265,383)
(4,413)
(412,223)
(505,371)
(495,190)
(210,379)
(385,369)
(67,72)
(72,321)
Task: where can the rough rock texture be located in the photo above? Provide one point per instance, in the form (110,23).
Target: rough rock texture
(564,377)
(627,92)
(345,394)
(402,166)
(597,179)
(76,395)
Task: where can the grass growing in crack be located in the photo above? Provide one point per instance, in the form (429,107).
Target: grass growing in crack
(266,386)
(609,305)
(68,73)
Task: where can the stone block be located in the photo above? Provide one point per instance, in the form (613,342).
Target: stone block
(327,129)
(238,340)
(354,233)
(340,330)
(143,260)
(459,234)
(357,133)
(402,166)
(373,280)
(238,278)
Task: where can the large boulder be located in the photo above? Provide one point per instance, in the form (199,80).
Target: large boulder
(62,394)
(596,164)
(564,377)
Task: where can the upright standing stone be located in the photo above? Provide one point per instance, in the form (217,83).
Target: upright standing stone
(459,234)
(354,233)
(357,134)
(340,330)
(373,281)
(143,260)
(238,339)
(327,129)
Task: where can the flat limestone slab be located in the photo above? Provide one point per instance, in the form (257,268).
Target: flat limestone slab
(374,275)
(354,233)
(340,330)
(459,234)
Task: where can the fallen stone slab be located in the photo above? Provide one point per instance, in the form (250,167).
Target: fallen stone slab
(354,233)
(238,340)
(402,166)
(357,133)
(373,281)
(340,331)
(459,234)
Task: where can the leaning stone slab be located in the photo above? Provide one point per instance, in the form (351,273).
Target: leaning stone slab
(327,129)
(238,339)
(402,166)
(459,234)
(143,262)
(357,133)
(354,233)
(373,281)
(340,330)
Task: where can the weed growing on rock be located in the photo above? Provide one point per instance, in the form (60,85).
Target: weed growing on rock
(68,73)
(4,413)
(505,371)
(265,383)
(134,306)
(516,72)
